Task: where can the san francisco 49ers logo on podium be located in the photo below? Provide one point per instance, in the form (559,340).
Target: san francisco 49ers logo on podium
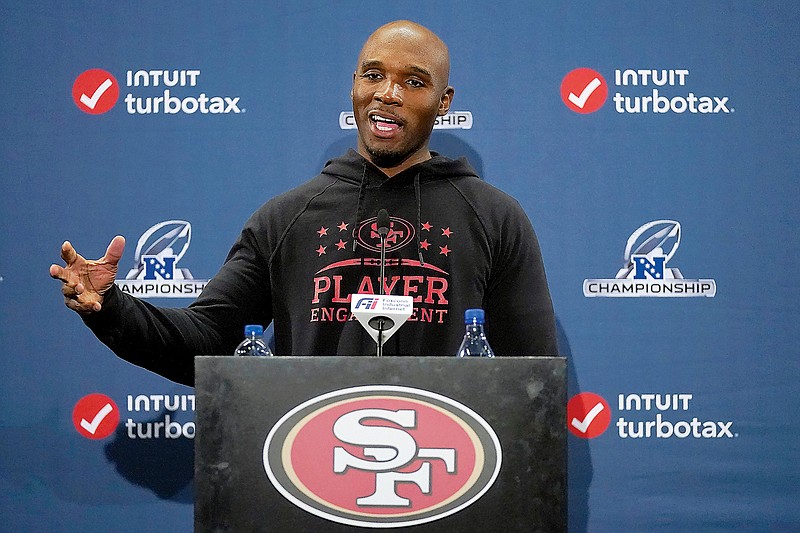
(382,456)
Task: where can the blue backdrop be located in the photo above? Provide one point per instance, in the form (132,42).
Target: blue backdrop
(78,164)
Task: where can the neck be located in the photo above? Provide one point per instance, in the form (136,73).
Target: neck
(423,154)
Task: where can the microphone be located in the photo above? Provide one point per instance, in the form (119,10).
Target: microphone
(383,232)
(383,222)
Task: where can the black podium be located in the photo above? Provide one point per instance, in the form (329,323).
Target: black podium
(340,444)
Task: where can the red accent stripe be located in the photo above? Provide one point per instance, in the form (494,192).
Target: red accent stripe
(371,261)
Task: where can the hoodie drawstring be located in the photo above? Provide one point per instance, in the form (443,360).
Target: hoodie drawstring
(419,218)
(362,190)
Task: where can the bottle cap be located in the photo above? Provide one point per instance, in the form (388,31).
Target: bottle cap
(253,329)
(473,316)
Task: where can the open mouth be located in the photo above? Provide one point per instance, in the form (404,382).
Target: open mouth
(383,124)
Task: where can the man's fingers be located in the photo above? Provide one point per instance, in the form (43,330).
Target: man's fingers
(114,250)
(56,272)
(78,274)
(61,274)
(82,308)
(72,304)
(69,291)
(73,295)
(68,253)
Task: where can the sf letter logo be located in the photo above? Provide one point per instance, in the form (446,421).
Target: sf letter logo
(390,449)
(382,456)
(95,91)
(391,237)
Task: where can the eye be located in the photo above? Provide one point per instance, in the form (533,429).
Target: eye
(371,75)
(415,83)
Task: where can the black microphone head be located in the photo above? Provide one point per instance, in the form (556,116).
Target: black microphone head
(383,222)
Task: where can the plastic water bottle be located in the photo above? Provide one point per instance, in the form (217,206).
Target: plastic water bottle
(253,343)
(474,343)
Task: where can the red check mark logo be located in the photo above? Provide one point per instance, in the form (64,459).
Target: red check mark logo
(95,416)
(584,90)
(95,91)
(91,101)
(588,415)
(588,91)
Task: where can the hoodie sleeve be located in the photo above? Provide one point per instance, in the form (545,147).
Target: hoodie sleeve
(519,311)
(165,340)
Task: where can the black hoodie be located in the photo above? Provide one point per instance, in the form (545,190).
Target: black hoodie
(455,243)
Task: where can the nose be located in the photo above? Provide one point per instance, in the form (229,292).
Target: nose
(389,93)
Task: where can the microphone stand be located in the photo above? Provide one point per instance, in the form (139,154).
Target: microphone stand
(383,232)
(382,289)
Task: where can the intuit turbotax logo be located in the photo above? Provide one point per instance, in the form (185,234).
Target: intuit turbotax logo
(148,416)
(150,92)
(155,272)
(643,416)
(645,272)
(637,91)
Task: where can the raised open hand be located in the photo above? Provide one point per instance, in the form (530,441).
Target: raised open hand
(84,282)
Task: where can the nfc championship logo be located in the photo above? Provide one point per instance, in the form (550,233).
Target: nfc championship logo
(382,456)
(155,271)
(645,271)
(454,120)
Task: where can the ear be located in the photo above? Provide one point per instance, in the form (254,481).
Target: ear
(445,101)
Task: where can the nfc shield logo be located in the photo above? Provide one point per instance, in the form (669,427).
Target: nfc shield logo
(155,268)
(648,267)
(382,456)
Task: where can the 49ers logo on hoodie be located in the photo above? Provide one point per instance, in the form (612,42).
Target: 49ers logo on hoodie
(422,274)
(382,456)
(400,234)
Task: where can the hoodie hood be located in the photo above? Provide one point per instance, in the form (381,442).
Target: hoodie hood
(353,168)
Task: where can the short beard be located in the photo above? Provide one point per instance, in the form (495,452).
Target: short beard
(390,158)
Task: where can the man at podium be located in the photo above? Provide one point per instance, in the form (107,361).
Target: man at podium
(454,243)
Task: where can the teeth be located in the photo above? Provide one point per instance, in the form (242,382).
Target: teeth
(377,118)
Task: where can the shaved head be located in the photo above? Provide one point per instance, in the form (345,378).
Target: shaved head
(400,86)
(422,41)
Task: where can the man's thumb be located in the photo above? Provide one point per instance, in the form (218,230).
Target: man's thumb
(114,250)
